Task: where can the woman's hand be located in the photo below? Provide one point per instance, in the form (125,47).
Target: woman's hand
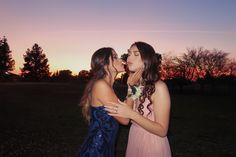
(120,109)
(135,77)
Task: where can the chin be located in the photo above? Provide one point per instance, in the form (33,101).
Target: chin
(132,69)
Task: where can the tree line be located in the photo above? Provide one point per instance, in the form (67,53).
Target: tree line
(194,66)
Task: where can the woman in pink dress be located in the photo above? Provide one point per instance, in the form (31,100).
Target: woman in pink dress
(151,109)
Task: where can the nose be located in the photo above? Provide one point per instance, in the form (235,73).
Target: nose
(129,58)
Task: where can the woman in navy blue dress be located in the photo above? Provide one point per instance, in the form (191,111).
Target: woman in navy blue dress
(100,141)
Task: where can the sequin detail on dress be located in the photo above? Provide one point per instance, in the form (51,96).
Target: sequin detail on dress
(100,141)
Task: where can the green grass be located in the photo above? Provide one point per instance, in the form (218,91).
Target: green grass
(44,119)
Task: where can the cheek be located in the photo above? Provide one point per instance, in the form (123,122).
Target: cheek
(116,63)
(139,63)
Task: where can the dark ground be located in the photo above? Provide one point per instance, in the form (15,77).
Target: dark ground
(44,120)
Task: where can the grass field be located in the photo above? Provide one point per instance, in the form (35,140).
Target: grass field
(44,120)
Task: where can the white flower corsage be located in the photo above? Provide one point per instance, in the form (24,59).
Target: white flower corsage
(134,92)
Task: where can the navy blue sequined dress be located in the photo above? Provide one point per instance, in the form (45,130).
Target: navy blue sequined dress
(100,141)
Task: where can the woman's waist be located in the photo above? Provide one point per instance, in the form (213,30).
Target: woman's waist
(101,131)
(143,133)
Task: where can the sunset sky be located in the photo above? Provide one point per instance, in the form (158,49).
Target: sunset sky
(69,31)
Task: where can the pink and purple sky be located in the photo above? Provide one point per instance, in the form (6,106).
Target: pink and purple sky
(69,31)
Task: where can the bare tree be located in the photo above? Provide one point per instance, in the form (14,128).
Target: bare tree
(200,63)
(168,67)
(231,67)
(216,61)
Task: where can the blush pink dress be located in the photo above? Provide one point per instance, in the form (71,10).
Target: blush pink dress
(142,143)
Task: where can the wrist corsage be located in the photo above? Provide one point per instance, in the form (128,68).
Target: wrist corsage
(134,91)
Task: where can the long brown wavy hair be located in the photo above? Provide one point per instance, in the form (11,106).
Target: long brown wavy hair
(151,73)
(99,60)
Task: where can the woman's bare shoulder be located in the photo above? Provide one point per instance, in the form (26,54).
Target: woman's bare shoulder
(101,85)
(161,85)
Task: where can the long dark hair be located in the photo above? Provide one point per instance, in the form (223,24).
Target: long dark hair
(99,60)
(151,73)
